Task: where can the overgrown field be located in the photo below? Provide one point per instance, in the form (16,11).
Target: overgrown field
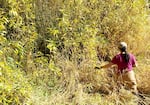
(82,85)
(49,48)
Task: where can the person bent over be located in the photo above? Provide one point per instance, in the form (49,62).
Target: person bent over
(125,62)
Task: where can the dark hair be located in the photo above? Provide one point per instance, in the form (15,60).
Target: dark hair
(126,56)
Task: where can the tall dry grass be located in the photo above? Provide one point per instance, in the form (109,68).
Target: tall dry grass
(82,85)
(143,76)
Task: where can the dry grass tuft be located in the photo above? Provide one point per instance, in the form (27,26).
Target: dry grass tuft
(143,76)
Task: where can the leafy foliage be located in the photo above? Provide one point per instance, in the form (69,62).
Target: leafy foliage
(71,25)
(16,34)
(53,45)
(14,88)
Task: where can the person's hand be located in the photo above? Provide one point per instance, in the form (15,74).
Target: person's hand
(98,67)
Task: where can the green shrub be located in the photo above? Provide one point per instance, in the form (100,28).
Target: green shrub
(14,88)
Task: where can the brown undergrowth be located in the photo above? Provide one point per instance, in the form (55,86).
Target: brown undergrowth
(82,85)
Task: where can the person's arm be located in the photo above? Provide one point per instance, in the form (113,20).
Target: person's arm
(113,62)
(107,65)
(134,62)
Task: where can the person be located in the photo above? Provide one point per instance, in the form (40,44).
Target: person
(125,62)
